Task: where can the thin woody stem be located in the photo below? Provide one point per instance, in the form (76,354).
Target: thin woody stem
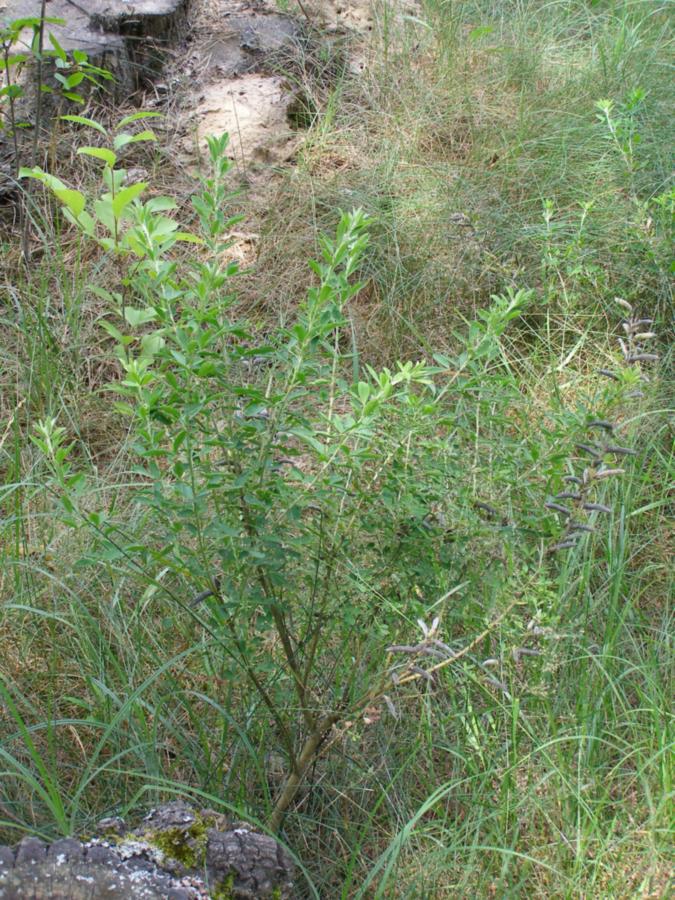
(294,780)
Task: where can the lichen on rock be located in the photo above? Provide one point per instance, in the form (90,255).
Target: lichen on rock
(175,853)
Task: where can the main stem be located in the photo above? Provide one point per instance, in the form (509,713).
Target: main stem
(295,777)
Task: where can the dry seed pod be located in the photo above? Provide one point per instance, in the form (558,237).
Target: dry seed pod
(390,706)
(567,544)
(620,451)
(558,507)
(422,673)
(597,507)
(642,357)
(587,448)
(498,684)
(608,473)
(624,303)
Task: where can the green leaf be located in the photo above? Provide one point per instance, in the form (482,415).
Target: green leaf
(188,238)
(309,438)
(82,120)
(108,157)
(103,210)
(13,60)
(72,199)
(52,182)
(151,344)
(123,339)
(482,31)
(161,204)
(136,317)
(121,140)
(126,196)
(134,117)
(73,80)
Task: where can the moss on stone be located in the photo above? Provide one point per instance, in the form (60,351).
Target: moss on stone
(186,846)
(224,890)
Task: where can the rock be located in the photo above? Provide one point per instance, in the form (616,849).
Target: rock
(262,866)
(31,851)
(176,853)
(253,109)
(238,50)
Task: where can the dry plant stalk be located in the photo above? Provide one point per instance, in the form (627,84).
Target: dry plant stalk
(576,503)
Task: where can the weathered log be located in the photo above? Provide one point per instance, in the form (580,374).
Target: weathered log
(175,853)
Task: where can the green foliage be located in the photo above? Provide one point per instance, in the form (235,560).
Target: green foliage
(70,69)
(259,502)
(271,485)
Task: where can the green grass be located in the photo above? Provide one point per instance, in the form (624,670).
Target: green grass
(559,786)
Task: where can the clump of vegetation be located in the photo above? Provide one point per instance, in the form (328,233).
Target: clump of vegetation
(300,579)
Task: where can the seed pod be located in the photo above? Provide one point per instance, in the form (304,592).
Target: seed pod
(574,479)
(635,395)
(624,303)
(608,374)
(567,544)
(620,451)
(422,673)
(390,706)
(498,684)
(645,336)
(640,322)
(608,473)
(405,648)
(642,357)
(558,507)
(486,507)
(448,651)
(587,448)
(624,349)
(579,526)
(567,495)
(597,507)
(601,423)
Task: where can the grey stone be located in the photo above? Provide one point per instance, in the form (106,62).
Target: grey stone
(65,850)
(6,858)
(252,865)
(102,856)
(31,850)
